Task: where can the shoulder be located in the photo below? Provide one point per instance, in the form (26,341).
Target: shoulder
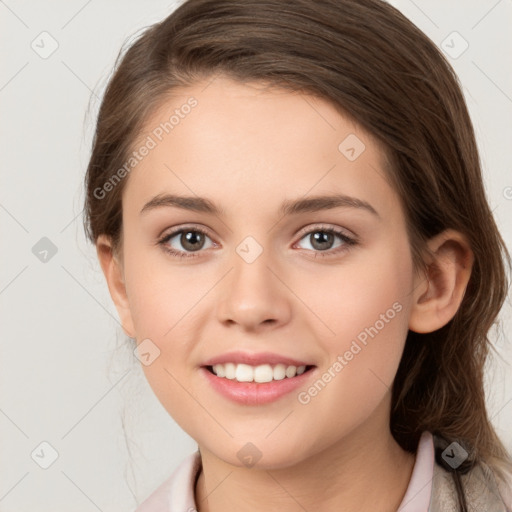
(177,492)
(480,488)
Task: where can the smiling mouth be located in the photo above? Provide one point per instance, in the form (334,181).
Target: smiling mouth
(259,374)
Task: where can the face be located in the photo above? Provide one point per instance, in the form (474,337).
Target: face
(277,269)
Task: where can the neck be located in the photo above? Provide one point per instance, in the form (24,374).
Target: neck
(365,470)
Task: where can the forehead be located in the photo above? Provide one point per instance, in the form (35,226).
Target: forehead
(245,142)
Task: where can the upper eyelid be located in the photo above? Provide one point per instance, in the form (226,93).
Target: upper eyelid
(177,229)
(325,227)
(301,233)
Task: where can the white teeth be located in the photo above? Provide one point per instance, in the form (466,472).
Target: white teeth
(220,370)
(291,371)
(263,373)
(260,374)
(230,370)
(279,372)
(244,373)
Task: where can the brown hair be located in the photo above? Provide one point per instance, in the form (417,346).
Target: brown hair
(375,66)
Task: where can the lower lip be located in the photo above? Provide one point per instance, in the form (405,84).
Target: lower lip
(255,393)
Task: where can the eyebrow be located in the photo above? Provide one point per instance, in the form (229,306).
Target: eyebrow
(289,207)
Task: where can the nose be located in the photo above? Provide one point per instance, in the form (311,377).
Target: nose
(253,295)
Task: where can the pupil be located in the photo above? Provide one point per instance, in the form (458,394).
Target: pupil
(322,240)
(191,239)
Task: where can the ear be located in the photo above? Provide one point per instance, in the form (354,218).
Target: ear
(438,295)
(114,274)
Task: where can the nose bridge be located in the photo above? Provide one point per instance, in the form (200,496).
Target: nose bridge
(253,294)
(251,274)
(252,261)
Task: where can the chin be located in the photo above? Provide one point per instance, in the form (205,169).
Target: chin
(261,454)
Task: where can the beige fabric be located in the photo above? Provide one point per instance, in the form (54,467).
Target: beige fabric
(479,484)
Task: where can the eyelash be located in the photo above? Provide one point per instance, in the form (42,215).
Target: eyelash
(348,241)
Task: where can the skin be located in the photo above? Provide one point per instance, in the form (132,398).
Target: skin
(247,148)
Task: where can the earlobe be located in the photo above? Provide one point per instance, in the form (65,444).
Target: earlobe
(438,294)
(114,275)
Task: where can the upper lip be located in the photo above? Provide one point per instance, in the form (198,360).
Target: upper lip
(260,358)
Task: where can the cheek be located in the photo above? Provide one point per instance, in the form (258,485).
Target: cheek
(161,294)
(371,327)
(376,310)
(169,304)
(166,307)
(366,297)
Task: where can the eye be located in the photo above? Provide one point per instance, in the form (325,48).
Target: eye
(322,240)
(190,239)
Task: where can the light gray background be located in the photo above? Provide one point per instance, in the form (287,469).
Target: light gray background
(66,375)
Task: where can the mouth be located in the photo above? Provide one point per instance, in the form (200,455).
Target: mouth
(260,374)
(259,385)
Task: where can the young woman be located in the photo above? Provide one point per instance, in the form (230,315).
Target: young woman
(288,207)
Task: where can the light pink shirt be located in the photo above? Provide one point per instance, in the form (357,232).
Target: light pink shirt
(176,494)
